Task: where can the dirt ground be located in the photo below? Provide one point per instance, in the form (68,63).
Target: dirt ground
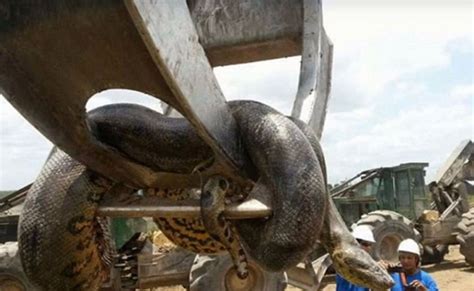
(452,274)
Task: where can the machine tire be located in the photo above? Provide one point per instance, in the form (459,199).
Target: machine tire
(212,273)
(12,277)
(465,236)
(389,229)
(433,255)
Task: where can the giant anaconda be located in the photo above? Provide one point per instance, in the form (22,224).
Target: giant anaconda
(63,246)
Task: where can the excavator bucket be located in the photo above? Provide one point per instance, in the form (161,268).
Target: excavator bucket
(55,55)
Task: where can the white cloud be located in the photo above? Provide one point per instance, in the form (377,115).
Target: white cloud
(424,133)
(463,92)
(382,51)
(377,42)
(23,149)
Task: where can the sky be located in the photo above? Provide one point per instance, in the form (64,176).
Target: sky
(402,90)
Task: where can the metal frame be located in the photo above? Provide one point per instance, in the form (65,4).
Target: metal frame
(171,38)
(159,207)
(455,162)
(315,72)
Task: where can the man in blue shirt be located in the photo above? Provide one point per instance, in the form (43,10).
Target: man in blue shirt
(411,277)
(363,234)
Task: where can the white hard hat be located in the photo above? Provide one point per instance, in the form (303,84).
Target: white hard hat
(409,246)
(363,232)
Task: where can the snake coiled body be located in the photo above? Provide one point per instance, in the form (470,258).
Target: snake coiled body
(289,167)
(62,244)
(290,170)
(276,147)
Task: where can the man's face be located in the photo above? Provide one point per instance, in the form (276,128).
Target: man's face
(408,261)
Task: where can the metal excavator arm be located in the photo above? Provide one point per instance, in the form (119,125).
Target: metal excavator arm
(451,187)
(13,199)
(55,57)
(459,165)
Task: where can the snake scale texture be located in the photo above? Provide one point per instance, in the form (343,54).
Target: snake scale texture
(65,247)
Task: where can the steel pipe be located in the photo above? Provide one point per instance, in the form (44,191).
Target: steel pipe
(251,208)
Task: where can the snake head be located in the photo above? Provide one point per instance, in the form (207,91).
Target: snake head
(357,266)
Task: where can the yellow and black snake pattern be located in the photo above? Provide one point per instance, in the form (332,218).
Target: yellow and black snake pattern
(209,234)
(212,213)
(63,244)
(188,233)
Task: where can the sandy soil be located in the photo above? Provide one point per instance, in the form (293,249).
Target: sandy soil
(452,274)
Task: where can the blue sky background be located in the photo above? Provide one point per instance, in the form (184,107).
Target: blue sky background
(402,90)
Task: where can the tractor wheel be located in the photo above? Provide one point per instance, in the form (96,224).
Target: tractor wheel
(389,229)
(210,273)
(465,237)
(432,255)
(12,277)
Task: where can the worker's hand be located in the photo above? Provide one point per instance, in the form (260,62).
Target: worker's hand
(418,285)
(386,265)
